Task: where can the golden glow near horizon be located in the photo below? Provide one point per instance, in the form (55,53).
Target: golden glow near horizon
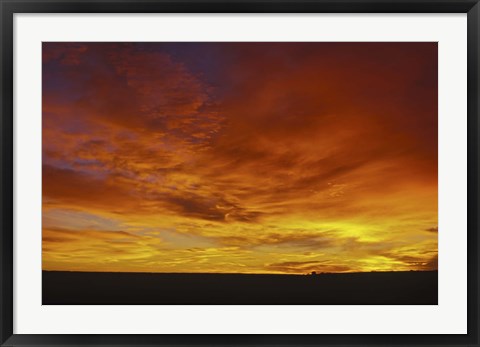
(240,157)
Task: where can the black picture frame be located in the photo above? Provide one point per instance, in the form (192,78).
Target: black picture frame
(10,7)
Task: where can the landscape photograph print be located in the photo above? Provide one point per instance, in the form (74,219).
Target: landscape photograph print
(265,173)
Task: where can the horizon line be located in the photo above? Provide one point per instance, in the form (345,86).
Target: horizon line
(243,273)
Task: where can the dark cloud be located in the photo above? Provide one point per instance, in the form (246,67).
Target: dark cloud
(65,53)
(70,187)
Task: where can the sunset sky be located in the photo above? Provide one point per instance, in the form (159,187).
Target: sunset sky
(240,157)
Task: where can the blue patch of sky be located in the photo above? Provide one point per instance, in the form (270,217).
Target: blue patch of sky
(78,220)
(183,240)
(99,173)
(204,59)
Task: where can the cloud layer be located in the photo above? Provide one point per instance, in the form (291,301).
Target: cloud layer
(240,157)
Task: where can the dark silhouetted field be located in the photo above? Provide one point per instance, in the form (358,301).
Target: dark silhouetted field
(374,288)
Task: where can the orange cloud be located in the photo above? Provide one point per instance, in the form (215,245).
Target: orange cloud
(240,157)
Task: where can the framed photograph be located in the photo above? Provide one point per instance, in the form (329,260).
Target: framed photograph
(239,173)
